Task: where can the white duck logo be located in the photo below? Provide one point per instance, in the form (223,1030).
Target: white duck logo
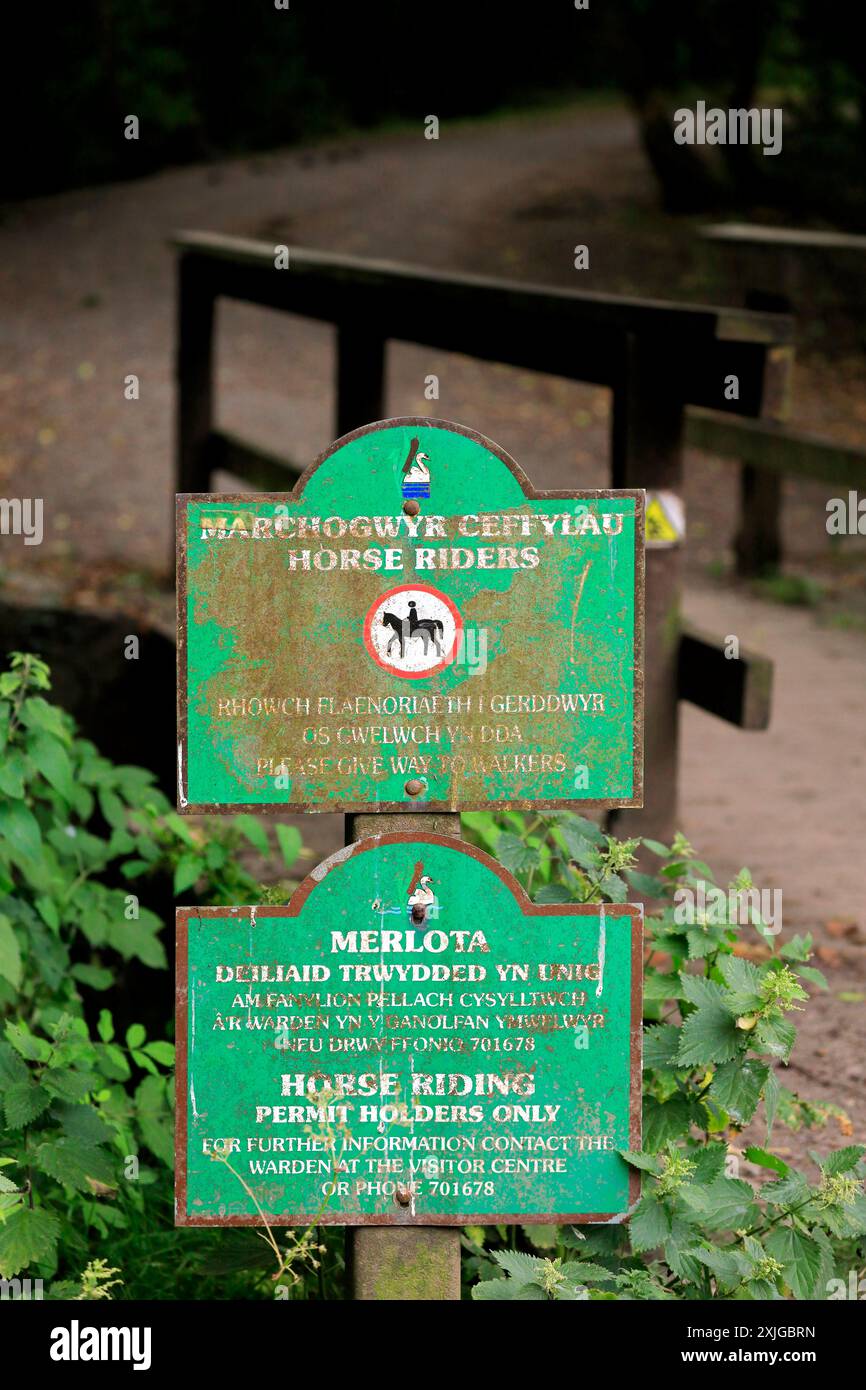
(422,900)
(416,473)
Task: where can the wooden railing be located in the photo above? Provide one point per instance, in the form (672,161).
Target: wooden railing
(657,358)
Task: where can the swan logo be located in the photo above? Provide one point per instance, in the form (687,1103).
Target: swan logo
(416,473)
(413,631)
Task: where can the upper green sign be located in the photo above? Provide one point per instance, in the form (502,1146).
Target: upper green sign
(413,627)
(410,1041)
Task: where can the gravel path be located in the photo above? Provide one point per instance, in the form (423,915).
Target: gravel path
(89,276)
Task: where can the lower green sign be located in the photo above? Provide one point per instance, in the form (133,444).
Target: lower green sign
(409,1041)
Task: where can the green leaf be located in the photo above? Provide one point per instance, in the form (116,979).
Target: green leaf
(648,1163)
(515,854)
(12,773)
(135,1036)
(36,713)
(26,1043)
(661,1045)
(10,953)
(71,1162)
(743,979)
(155,1118)
(776,1036)
(162,1052)
(554,893)
(737,1087)
(290,842)
(726,1204)
(20,828)
(112,808)
(255,832)
(710,1033)
(658,849)
(798,948)
(650,1224)
(105,1026)
(522,1268)
(29,1235)
(52,761)
(188,870)
(664,1122)
(494,1289)
(843,1160)
(23,1101)
(801,1257)
(766,1160)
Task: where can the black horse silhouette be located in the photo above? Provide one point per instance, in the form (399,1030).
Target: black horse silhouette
(402,629)
(428,629)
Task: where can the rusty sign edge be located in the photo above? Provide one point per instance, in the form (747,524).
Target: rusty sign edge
(633,911)
(182,501)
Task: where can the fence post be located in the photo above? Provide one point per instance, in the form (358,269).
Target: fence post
(758,542)
(646,451)
(360,378)
(194,377)
(402,1263)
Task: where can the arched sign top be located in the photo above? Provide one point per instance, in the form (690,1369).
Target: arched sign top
(412,627)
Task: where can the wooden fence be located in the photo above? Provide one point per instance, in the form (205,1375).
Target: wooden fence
(657,358)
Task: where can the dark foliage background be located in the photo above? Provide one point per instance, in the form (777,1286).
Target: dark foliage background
(209,77)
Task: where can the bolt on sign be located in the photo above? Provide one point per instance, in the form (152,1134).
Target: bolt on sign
(414,626)
(410,1041)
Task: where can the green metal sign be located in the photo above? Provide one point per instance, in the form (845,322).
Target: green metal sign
(409,1041)
(414,627)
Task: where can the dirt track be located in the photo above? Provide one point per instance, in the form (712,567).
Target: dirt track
(90,279)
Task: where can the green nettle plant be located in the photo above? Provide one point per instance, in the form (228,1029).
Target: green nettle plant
(85,1129)
(716,1022)
(86,1147)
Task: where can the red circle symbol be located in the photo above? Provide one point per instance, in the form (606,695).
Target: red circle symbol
(442,660)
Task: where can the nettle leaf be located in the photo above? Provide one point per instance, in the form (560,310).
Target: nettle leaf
(664,1122)
(737,1087)
(709,1162)
(81,1122)
(554,893)
(728,1267)
(494,1289)
(658,987)
(710,1033)
(843,1160)
(722,1205)
(798,948)
(650,1224)
(743,979)
(776,1036)
(71,1162)
(660,1045)
(29,1046)
(790,1191)
(705,941)
(23,1101)
(763,1159)
(648,1163)
(801,1256)
(29,1235)
(515,854)
(523,1269)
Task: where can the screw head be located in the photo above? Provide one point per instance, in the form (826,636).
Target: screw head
(401,1197)
(411,507)
(414,787)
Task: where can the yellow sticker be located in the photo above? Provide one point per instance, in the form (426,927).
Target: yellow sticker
(665,518)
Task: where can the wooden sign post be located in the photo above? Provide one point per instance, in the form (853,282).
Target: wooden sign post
(410,1043)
